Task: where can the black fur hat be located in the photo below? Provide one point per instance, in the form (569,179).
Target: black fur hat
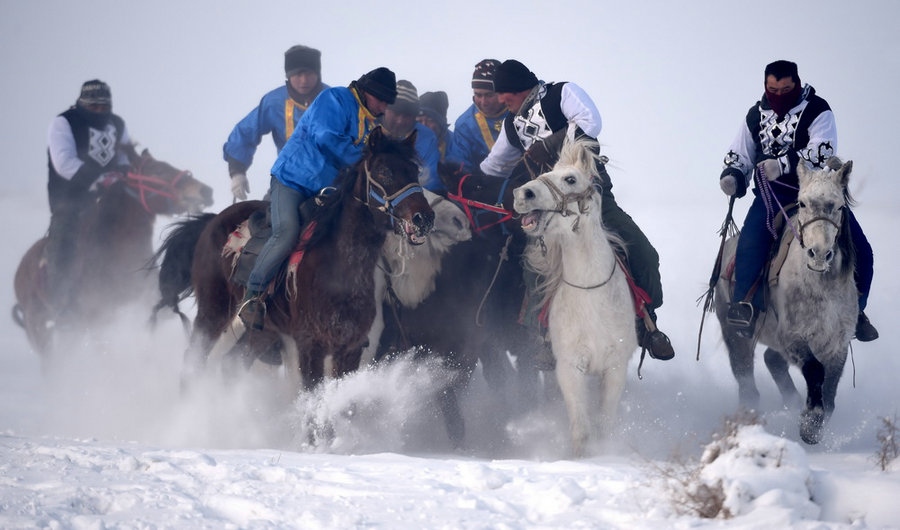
(513,76)
(299,58)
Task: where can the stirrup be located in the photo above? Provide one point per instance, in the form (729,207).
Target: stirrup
(865,331)
(741,315)
(252,313)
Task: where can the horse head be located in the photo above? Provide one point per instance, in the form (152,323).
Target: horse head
(822,198)
(568,184)
(165,190)
(392,185)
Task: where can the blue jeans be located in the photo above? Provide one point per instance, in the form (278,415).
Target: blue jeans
(756,242)
(285,204)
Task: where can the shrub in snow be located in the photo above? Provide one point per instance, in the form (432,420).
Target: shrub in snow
(889,446)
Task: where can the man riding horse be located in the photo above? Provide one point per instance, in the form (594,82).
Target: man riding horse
(537,111)
(330,135)
(789,125)
(85,145)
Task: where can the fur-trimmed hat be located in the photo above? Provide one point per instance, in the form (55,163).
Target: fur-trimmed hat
(381,83)
(483,77)
(513,76)
(434,105)
(299,58)
(407,98)
(95,92)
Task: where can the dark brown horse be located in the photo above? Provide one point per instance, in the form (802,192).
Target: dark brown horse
(473,313)
(113,245)
(329,307)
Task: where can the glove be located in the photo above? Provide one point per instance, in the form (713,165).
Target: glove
(771,168)
(732,186)
(240,186)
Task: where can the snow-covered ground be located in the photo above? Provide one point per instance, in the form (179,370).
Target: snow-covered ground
(104,437)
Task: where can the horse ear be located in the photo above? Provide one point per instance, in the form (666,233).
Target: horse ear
(802,171)
(845,172)
(375,138)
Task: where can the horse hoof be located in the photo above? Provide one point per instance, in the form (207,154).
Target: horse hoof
(812,421)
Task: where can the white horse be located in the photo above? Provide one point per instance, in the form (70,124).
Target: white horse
(812,309)
(591,315)
(413,270)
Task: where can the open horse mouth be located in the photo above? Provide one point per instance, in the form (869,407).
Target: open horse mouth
(530,220)
(414,234)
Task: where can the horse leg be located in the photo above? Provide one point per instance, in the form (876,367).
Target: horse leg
(833,371)
(453,420)
(812,419)
(778,367)
(573,385)
(613,384)
(740,355)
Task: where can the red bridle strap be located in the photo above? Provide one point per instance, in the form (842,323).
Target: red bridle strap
(507,215)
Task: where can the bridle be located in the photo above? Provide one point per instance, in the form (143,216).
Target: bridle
(388,202)
(802,226)
(467,204)
(147,187)
(563,200)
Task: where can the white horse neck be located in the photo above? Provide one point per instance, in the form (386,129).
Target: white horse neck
(586,249)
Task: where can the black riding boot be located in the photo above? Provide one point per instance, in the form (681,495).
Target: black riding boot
(865,331)
(252,311)
(655,342)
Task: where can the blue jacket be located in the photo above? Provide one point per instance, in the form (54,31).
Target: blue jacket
(276,113)
(330,136)
(470,145)
(430,155)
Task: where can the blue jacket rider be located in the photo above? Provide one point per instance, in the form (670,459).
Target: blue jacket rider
(330,136)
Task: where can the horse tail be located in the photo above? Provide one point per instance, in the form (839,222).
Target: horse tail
(174,259)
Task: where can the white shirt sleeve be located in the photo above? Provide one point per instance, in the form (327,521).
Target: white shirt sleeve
(124,139)
(61,145)
(578,108)
(502,158)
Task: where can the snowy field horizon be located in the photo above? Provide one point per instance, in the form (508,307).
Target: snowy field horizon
(103,437)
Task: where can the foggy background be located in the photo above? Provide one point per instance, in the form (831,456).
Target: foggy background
(673,82)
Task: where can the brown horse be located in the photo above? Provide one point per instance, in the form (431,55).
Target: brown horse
(112,246)
(329,305)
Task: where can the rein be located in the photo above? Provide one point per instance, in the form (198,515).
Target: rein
(146,186)
(388,202)
(495,208)
(601,284)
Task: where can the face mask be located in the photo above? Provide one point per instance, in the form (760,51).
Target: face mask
(782,103)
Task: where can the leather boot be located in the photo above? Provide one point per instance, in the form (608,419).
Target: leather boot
(252,311)
(655,342)
(865,331)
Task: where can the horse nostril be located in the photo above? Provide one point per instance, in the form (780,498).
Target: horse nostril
(811,253)
(829,255)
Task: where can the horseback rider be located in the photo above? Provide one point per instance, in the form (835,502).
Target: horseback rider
(476,129)
(399,121)
(86,145)
(277,113)
(789,124)
(433,114)
(536,111)
(330,136)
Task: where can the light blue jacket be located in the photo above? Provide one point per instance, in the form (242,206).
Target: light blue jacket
(330,136)
(469,145)
(277,114)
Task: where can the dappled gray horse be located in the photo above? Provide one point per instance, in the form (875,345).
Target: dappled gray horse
(812,309)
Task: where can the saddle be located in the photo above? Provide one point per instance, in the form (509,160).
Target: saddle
(247,240)
(777,254)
